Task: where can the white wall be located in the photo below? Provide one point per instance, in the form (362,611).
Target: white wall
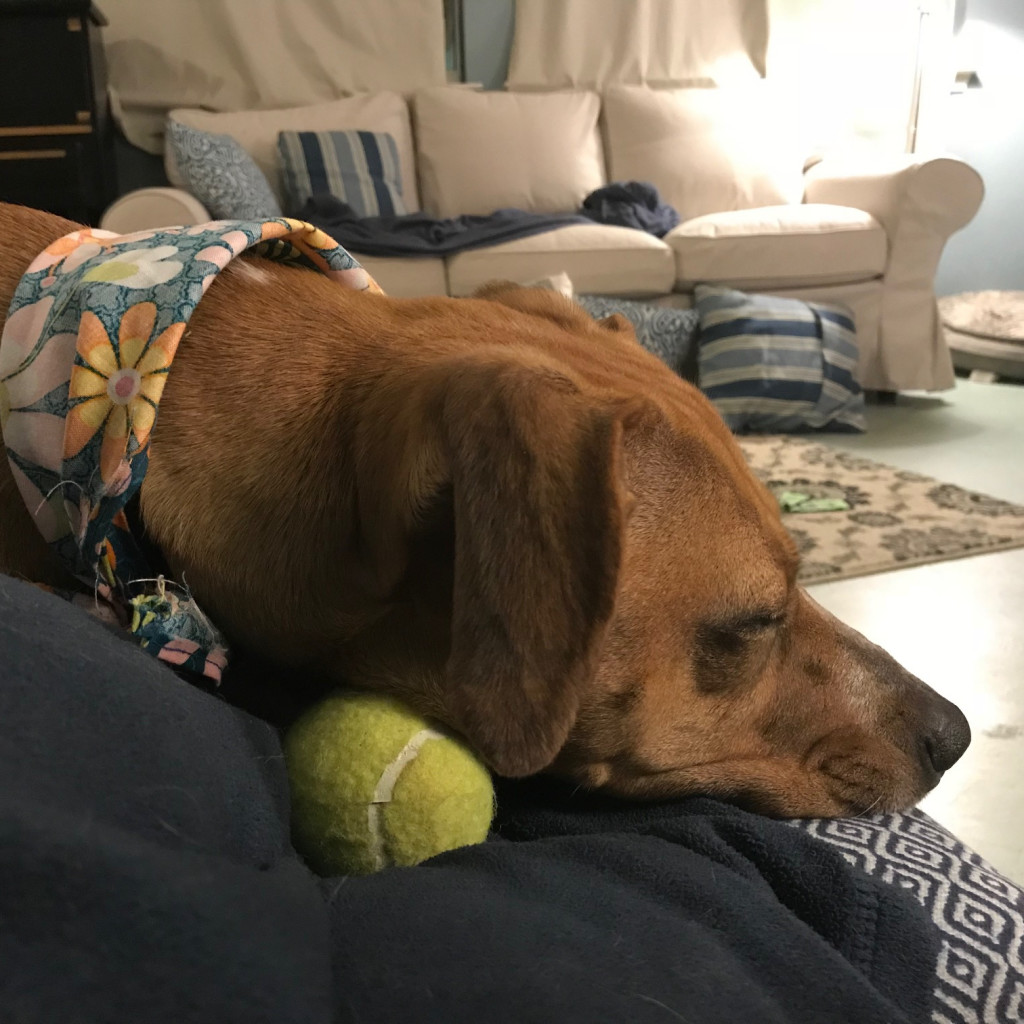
(986,127)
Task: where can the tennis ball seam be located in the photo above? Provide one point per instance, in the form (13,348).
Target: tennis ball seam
(384,791)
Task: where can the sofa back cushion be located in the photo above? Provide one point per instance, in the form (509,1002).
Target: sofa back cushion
(486,151)
(257,132)
(360,168)
(707,150)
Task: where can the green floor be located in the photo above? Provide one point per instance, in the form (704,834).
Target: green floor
(958,625)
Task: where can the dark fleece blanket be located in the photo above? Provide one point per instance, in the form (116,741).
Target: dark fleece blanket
(417,234)
(147,875)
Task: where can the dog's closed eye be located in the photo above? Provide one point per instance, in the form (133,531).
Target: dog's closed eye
(730,650)
(742,627)
(761,621)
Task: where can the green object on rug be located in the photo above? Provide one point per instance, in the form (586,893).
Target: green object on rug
(897,518)
(797,501)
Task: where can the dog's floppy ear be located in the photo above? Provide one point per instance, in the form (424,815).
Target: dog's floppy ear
(618,324)
(554,306)
(542,302)
(539,513)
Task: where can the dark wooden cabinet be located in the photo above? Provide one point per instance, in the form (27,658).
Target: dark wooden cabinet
(56,138)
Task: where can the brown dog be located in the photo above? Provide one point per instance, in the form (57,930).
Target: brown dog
(521,523)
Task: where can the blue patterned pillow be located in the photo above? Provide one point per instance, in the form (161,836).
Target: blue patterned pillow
(668,333)
(774,365)
(359,168)
(220,174)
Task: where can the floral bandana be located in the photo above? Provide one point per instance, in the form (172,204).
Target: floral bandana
(89,339)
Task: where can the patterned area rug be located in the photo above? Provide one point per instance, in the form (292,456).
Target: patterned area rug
(896,519)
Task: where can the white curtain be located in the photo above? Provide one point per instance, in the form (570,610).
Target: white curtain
(248,54)
(590,43)
(845,68)
(862,72)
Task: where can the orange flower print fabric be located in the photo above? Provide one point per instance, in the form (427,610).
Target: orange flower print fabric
(89,340)
(121,385)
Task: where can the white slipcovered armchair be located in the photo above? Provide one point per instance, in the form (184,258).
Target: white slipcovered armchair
(919,202)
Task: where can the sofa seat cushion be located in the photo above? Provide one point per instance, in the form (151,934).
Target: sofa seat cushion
(779,246)
(600,259)
(406,278)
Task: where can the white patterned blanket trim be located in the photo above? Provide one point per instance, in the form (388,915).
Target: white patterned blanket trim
(979,977)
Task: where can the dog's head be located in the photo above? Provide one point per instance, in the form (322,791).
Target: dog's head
(622,593)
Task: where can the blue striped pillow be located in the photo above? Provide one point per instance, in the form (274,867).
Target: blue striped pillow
(360,168)
(775,365)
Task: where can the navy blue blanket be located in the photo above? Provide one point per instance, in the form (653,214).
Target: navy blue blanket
(417,234)
(148,876)
(631,204)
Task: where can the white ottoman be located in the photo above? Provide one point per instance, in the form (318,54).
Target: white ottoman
(985,331)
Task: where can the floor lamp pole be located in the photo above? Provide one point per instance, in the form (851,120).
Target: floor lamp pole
(915,99)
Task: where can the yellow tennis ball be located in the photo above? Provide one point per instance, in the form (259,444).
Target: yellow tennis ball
(374,784)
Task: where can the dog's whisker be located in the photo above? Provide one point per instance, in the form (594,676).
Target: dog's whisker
(867,810)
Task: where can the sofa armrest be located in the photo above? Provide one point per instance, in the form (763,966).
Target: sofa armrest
(938,194)
(919,202)
(158,207)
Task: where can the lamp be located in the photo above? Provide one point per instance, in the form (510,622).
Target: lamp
(923,14)
(932,17)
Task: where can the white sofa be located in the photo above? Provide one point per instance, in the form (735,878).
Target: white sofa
(866,232)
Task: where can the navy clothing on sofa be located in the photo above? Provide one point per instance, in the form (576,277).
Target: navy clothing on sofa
(418,234)
(631,204)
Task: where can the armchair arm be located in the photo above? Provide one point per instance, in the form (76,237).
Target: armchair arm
(156,207)
(919,202)
(938,194)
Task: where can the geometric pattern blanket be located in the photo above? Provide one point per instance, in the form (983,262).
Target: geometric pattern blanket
(979,976)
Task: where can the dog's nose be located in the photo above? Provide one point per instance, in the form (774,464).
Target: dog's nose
(946,733)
